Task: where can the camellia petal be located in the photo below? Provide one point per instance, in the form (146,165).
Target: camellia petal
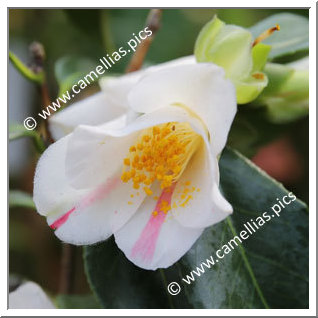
(200,88)
(118,87)
(155,241)
(80,216)
(197,201)
(94,110)
(106,105)
(29,296)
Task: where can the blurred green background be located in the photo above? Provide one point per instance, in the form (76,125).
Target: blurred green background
(34,251)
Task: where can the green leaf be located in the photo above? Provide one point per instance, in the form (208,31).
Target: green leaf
(70,69)
(25,71)
(292,37)
(20,199)
(268,270)
(17,131)
(76,302)
(117,283)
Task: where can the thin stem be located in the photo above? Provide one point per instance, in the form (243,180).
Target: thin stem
(67,269)
(26,71)
(153,23)
(68,251)
(37,66)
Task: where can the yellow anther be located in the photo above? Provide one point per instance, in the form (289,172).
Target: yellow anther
(127,161)
(136,186)
(148,191)
(125,177)
(146,138)
(132,149)
(187,183)
(130,203)
(132,172)
(154,213)
(136,179)
(156,130)
(131,195)
(147,182)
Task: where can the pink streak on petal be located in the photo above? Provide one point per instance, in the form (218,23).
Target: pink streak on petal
(146,244)
(60,221)
(98,194)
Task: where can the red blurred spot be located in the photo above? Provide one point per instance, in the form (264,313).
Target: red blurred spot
(280,160)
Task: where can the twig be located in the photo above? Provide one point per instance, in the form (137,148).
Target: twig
(68,251)
(37,66)
(153,23)
(67,269)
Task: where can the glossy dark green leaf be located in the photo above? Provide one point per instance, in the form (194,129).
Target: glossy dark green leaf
(292,37)
(278,251)
(268,270)
(117,283)
(20,199)
(76,302)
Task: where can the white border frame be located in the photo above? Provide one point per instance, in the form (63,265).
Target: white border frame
(312,162)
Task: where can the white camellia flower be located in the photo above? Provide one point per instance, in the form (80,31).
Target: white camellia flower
(110,105)
(154,183)
(29,296)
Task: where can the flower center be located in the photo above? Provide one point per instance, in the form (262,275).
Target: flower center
(161,153)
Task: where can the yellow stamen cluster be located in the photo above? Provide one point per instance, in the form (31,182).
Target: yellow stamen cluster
(160,153)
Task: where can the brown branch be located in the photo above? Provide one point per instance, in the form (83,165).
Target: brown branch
(153,23)
(37,65)
(66,282)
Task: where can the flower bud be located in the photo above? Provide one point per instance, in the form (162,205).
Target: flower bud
(231,47)
(287,95)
